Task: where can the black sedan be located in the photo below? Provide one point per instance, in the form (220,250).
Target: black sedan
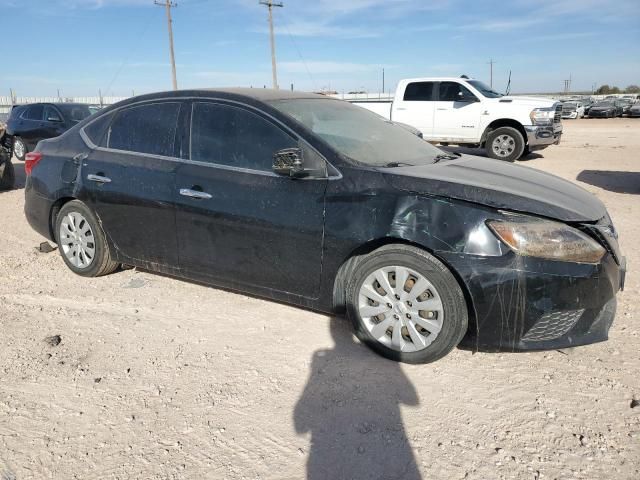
(634,111)
(315,202)
(28,124)
(605,109)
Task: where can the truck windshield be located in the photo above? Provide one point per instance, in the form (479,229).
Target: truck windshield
(484,89)
(359,134)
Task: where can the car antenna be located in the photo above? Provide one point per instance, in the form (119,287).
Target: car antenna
(464,76)
(508,90)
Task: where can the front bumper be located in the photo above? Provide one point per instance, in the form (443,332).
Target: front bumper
(541,136)
(523,303)
(573,114)
(601,113)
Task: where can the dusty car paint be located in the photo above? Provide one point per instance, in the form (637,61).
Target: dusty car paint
(294,240)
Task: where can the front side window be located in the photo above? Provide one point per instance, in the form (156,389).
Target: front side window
(453,92)
(357,133)
(232,136)
(51,114)
(34,112)
(149,128)
(419,92)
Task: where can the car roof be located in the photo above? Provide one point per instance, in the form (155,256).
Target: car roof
(260,94)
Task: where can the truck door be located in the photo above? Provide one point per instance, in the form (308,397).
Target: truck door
(415,107)
(457,113)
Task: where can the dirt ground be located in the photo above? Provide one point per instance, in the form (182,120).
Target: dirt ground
(156,378)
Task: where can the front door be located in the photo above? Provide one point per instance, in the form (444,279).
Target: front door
(239,222)
(457,113)
(129,181)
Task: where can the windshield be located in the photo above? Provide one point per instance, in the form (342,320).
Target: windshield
(484,89)
(359,134)
(75,113)
(604,104)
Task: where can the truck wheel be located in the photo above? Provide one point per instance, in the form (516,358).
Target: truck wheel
(7,176)
(406,305)
(19,148)
(505,143)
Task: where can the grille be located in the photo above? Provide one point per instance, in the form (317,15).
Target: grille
(557,118)
(553,325)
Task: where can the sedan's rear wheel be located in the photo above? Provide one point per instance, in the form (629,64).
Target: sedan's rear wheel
(406,305)
(81,241)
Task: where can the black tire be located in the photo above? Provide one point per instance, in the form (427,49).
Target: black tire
(455,321)
(101,264)
(512,137)
(526,151)
(24,149)
(7,175)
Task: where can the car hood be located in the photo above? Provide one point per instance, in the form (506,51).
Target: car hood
(532,102)
(500,185)
(603,108)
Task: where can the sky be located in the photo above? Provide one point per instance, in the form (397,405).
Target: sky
(120,47)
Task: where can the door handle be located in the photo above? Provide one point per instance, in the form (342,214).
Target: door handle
(400,108)
(98,178)
(187,192)
(443,109)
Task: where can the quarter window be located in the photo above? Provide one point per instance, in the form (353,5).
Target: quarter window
(226,135)
(147,128)
(419,92)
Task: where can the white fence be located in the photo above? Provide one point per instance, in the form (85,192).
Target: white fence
(8,101)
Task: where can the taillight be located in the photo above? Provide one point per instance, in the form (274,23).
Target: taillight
(31,159)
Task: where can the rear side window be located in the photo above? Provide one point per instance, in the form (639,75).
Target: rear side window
(34,112)
(97,130)
(146,129)
(419,92)
(232,136)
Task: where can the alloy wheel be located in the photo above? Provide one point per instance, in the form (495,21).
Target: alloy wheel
(400,308)
(77,241)
(18,148)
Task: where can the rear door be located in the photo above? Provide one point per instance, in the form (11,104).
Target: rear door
(129,179)
(416,107)
(457,113)
(238,221)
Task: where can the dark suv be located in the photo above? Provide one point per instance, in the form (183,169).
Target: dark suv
(28,124)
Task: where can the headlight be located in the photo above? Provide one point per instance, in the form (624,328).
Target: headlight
(542,116)
(534,237)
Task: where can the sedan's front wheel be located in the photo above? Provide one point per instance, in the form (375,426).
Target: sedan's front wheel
(406,305)
(81,241)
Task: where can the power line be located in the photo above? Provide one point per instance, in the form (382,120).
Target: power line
(271,4)
(168,4)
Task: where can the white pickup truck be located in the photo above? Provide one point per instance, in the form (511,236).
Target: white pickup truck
(467,112)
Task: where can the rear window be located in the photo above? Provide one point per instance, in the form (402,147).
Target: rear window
(147,128)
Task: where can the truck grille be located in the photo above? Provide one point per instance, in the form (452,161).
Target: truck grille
(557,118)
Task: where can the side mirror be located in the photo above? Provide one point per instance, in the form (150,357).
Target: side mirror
(289,162)
(461,97)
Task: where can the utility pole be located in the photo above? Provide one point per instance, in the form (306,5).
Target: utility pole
(491,62)
(271,4)
(168,4)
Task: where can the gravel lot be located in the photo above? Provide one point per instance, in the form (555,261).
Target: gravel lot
(156,378)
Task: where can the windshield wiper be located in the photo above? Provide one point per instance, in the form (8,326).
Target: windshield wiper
(398,164)
(445,156)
